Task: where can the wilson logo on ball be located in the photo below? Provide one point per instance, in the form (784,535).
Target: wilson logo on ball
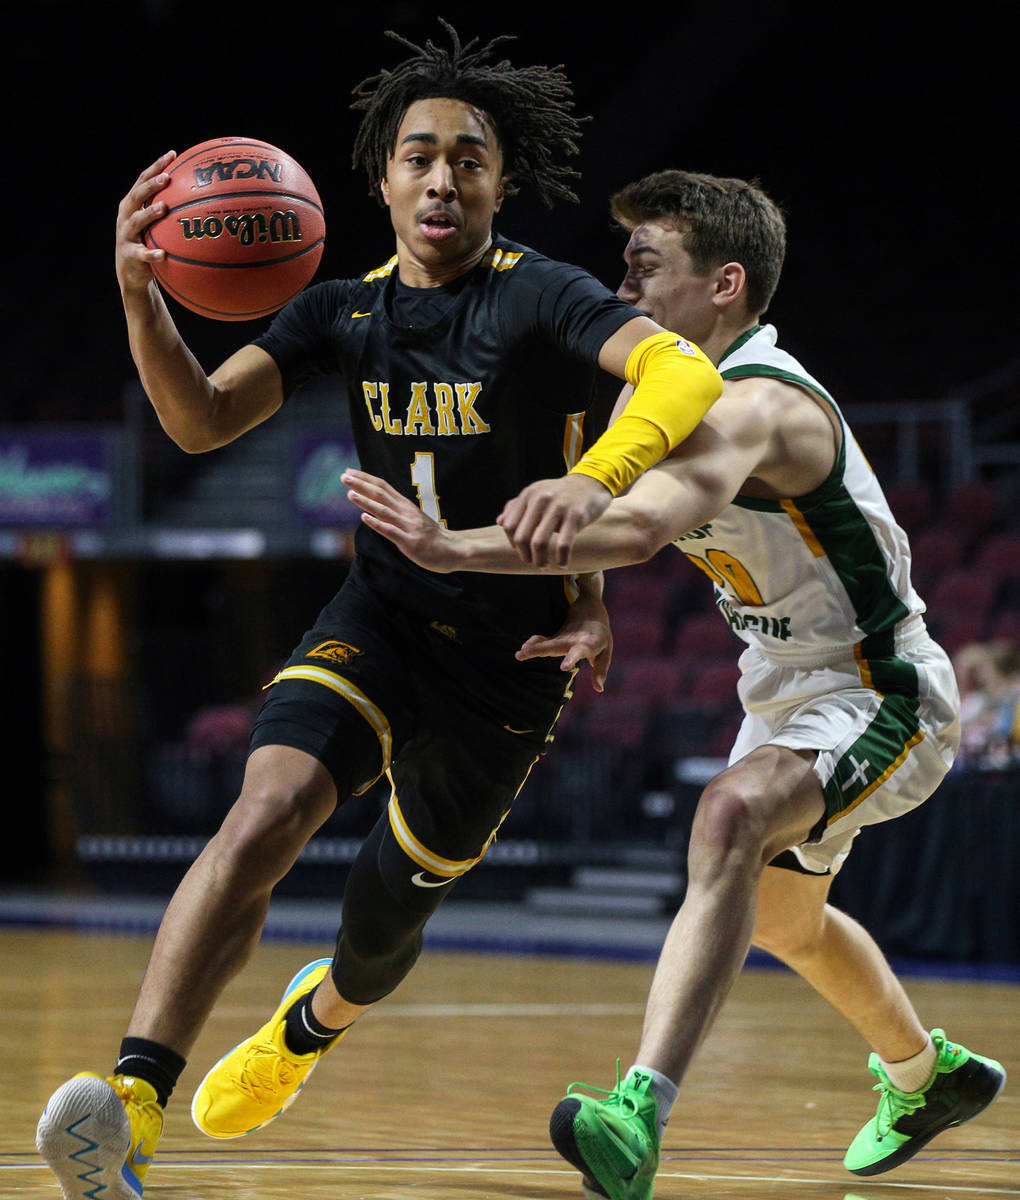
(238,168)
(242,232)
(248,228)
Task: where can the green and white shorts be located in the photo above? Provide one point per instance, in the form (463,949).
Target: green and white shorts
(885,731)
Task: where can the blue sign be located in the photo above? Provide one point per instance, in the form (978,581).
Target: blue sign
(55,479)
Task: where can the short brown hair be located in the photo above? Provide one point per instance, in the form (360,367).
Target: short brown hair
(722,220)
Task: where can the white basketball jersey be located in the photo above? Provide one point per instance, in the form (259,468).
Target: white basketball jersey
(806,577)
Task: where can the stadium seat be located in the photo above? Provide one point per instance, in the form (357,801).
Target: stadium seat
(1000,556)
(636,635)
(955,630)
(962,592)
(715,684)
(653,680)
(971,509)
(912,504)
(705,635)
(935,550)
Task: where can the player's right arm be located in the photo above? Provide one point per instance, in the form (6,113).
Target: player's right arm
(679,494)
(198,411)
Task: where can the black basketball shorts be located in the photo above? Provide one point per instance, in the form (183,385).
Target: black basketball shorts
(448,713)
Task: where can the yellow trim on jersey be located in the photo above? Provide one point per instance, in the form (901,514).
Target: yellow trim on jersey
(862,666)
(573,444)
(803,528)
(573,438)
(502,260)
(354,696)
(381,272)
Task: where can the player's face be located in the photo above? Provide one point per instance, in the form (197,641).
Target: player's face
(661,282)
(443,185)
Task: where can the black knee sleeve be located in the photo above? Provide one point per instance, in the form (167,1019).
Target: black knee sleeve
(383,918)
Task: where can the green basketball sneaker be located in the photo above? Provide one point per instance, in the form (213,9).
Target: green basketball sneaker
(613,1142)
(962,1085)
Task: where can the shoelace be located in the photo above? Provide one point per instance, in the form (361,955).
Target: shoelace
(263,1071)
(893,1103)
(616,1097)
(151,1125)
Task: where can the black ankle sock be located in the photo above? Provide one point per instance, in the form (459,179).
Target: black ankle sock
(303,1032)
(155,1063)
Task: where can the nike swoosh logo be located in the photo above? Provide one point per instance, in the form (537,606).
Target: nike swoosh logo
(419,881)
(355,315)
(509,730)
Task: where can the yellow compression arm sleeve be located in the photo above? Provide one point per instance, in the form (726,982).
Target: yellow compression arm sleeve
(674,386)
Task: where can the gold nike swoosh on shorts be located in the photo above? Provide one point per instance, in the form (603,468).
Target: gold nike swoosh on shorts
(355,315)
(509,730)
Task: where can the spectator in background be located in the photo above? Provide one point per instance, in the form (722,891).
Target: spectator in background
(989,677)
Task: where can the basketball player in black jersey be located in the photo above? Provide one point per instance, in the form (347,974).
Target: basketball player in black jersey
(472,366)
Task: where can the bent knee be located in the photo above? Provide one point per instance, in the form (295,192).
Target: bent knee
(727,821)
(278,808)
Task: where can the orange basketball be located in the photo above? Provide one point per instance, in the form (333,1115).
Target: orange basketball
(243,231)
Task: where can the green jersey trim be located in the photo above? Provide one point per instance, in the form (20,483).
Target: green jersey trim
(742,340)
(831,517)
(875,755)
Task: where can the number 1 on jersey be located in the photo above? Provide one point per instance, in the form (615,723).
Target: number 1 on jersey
(423,476)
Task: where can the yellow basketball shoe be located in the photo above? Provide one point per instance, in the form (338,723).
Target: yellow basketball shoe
(259,1078)
(99,1135)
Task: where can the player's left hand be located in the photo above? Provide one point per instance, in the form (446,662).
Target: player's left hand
(544,519)
(586,634)
(386,511)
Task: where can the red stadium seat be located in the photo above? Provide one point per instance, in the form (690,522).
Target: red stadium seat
(706,635)
(911,503)
(636,635)
(716,684)
(648,680)
(1000,556)
(971,508)
(962,591)
(935,550)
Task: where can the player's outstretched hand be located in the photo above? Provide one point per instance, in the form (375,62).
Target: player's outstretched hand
(585,634)
(544,519)
(386,511)
(136,213)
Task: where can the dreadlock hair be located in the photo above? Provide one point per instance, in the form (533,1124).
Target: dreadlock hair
(529,109)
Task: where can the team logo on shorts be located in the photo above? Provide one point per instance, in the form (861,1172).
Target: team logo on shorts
(448,631)
(338,652)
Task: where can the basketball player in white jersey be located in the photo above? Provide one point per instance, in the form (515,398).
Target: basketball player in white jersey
(851,708)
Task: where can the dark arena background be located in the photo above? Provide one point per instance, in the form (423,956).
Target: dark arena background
(146,596)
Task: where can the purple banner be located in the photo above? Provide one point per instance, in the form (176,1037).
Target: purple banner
(55,479)
(319,496)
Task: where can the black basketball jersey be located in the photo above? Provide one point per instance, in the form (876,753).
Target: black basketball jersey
(459,398)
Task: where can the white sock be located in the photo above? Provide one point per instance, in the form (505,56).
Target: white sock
(911,1074)
(663,1089)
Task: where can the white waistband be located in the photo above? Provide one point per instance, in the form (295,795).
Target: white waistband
(907,635)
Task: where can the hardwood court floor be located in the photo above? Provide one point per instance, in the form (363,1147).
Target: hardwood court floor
(444,1092)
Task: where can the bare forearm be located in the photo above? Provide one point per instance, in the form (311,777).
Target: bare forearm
(178,388)
(631,530)
(617,539)
(198,411)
